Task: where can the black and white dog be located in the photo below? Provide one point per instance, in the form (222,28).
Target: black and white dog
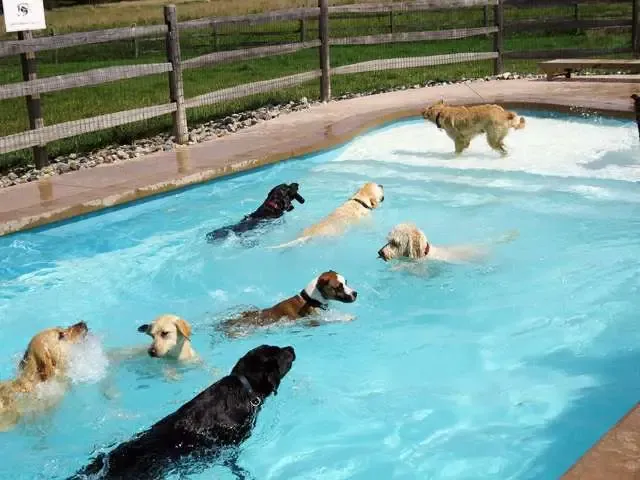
(189,439)
(636,100)
(278,202)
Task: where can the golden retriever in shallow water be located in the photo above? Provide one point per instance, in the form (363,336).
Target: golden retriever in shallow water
(46,360)
(359,206)
(408,241)
(462,124)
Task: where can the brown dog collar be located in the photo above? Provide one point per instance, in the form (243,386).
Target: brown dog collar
(426,250)
(361,203)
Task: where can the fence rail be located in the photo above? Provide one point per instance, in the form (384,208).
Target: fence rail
(494,26)
(81,79)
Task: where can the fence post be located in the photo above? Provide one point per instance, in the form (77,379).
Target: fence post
(391,26)
(52,33)
(303,29)
(498,17)
(485,16)
(30,72)
(176,89)
(635,28)
(136,51)
(323,30)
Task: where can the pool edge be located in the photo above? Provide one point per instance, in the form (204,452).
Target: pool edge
(63,197)
(616,455)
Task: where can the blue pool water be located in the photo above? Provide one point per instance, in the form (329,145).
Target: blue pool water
(506,370)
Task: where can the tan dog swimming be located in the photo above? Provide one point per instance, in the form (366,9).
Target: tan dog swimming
(408,241)
(358,207)
(45,360)
(171,338)
(462,124)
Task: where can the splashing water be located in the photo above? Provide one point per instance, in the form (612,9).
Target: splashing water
(88,362)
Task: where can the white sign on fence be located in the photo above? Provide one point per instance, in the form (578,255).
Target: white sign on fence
(21,15)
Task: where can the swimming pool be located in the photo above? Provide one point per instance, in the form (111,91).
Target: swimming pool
(510,369)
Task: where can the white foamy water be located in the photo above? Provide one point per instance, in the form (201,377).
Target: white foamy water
(546,146)
(88,362)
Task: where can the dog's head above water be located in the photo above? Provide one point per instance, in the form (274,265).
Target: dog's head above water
(330,286)
(371,195)
(169,333)
(405,240)
(280,200)
(431,112)
(265,367)
(48,352)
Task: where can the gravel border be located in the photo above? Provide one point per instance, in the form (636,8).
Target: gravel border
(201,133)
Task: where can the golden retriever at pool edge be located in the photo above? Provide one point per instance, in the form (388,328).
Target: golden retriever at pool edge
(45,360)
(408,241)
(359,206)
(462,124)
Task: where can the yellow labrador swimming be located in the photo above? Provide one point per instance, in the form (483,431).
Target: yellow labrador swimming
(45,361)
(171,338)
(408,241)
(359,206)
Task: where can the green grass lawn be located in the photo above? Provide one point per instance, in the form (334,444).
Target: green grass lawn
(152,90)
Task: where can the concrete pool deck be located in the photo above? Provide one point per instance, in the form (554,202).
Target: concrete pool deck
(24,206)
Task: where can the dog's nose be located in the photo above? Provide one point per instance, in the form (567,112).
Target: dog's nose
(381,255)
(153,352)
(81,325)
(355,294)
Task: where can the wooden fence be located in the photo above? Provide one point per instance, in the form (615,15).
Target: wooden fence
(27,46)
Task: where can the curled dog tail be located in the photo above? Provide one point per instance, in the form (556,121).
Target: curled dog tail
(515,120)
(293,243)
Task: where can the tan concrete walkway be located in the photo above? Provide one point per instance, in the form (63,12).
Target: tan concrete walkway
(24,206)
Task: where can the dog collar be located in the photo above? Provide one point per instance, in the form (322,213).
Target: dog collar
(361,203)
(426,250)
(312,301)
(256,400)
(438,120)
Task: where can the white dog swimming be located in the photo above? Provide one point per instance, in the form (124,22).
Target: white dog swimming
(408,241)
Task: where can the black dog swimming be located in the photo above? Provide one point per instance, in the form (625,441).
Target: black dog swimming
(278,202)
(189,439)
(636,100)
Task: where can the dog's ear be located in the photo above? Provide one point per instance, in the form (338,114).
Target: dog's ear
(415,249)
(184,328)
(144,328)
(273,376)
(38,361)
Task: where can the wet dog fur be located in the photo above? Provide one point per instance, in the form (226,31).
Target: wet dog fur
(462,123)
(329,286)
(171,338)
(278,202)
(45,360)
(407,241)
(200,431)
(359,206)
